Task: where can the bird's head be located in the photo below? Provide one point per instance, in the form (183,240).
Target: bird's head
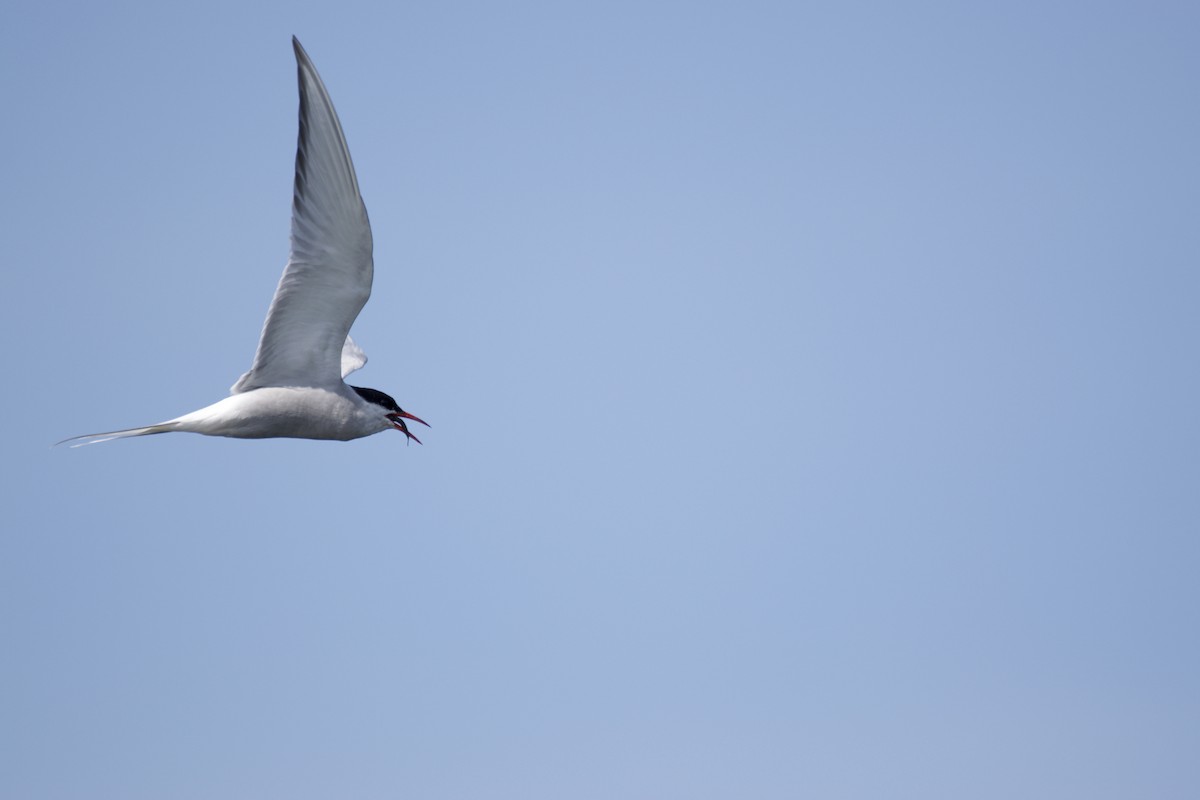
(394,413)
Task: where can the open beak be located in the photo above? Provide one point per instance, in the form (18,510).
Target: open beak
(398,418)
(407,415)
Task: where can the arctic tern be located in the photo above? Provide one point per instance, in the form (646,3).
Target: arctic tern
(295,386)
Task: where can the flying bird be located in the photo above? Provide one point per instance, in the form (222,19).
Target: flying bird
(295,387)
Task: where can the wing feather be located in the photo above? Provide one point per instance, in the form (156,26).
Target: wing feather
(353,357)
(328,276)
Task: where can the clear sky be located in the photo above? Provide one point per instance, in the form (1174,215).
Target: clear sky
(814,394)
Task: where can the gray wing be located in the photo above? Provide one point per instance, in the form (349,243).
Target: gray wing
(328,275)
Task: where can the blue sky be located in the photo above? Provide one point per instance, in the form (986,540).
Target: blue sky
(813,391)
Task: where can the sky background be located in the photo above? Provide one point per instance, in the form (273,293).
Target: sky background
(814,395)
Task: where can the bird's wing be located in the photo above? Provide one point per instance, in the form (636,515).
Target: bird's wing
(328,275)
(353,357)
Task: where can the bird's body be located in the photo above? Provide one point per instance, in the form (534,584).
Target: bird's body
(295,386)
(296,412)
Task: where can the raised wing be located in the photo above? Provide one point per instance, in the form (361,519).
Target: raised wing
(353,357)
(328,275)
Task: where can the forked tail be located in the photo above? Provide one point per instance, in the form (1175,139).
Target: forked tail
(97,438)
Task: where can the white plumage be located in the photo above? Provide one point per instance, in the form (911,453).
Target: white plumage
(295,386)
